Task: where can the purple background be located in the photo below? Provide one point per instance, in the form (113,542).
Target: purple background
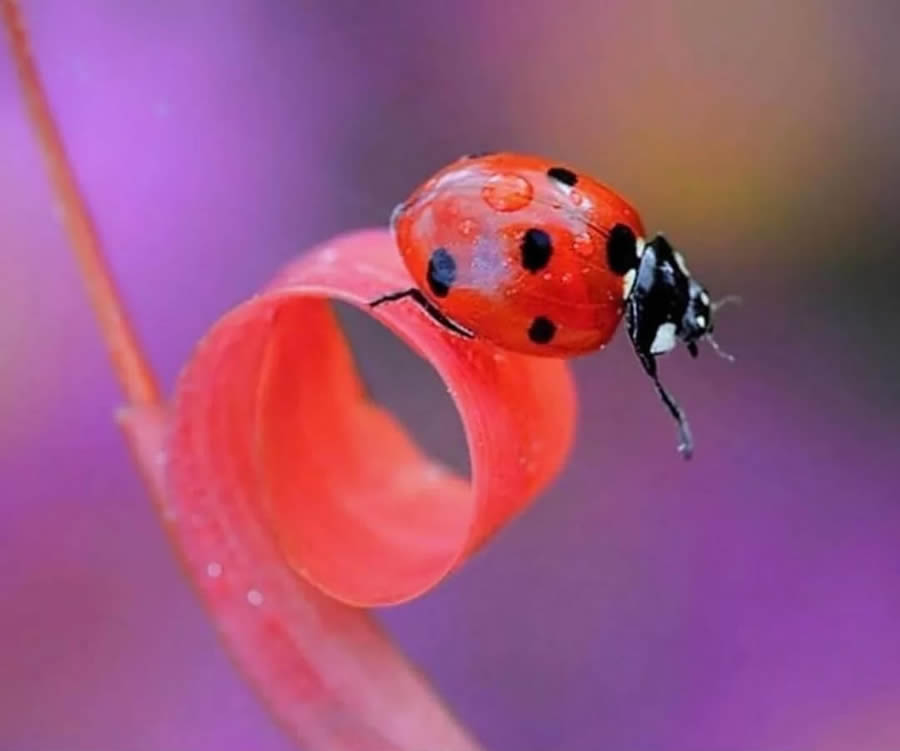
(748,601)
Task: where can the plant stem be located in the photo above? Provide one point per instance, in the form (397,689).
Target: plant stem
(132,369)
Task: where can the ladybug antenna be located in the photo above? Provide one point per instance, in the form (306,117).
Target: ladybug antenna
(727,300)
(718,350)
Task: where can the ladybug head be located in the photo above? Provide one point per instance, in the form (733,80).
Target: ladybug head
(666,304)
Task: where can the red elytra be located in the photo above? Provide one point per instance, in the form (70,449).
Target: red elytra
(497,242)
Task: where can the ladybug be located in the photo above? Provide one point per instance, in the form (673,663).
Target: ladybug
(543,260)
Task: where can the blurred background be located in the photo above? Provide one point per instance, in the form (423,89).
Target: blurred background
(747,601)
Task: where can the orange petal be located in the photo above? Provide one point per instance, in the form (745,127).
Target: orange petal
(292,497)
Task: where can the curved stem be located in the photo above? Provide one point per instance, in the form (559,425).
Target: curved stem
(131,366)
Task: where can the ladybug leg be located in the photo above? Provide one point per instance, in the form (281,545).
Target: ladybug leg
(417,297)
(656,313)
(390,297)
(686,441)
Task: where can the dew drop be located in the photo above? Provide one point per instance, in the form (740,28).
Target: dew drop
(432,474)
(213,570)
(507,192)
(583,245)
(255,597)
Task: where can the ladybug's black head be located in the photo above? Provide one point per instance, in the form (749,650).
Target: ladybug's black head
(666,304)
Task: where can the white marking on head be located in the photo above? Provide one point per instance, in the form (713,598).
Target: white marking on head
(628,282)
(679,259)
(640,246)
(664,341)
(704,298)
(701,321)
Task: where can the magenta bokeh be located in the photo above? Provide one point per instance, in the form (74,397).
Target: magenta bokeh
(747,601)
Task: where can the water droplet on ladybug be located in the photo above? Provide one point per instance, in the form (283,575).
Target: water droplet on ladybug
(507,192)
(583,245)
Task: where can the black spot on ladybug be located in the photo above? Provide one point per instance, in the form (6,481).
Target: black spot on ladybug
(441,272)
(562,174)
(621,249)
(536,249)
(542,330)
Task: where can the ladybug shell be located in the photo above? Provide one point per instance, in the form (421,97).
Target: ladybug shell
(517,249)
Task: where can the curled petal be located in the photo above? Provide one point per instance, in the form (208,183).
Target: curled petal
(295,499)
